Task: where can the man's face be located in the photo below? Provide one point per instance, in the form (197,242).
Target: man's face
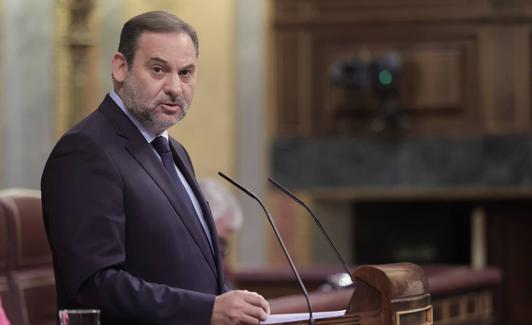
(158,88)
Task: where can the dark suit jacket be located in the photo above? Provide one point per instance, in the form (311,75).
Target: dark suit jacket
(121,238)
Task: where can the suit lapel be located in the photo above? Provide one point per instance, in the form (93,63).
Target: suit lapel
(182,160)
(145,156)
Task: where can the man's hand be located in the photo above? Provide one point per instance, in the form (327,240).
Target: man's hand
(239,307)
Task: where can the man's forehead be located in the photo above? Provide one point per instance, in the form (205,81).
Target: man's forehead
(168,45)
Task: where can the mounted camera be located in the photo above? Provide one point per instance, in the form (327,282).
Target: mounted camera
(378,78)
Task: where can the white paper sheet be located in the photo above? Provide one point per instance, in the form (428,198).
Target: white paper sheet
(280,318)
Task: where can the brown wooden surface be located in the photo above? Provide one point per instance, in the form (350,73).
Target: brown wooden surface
(346,11)
(459,294)
(443,280)
(421,194)
(509,241)
(381,295)
(465,64)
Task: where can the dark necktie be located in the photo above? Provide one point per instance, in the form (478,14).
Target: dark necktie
(161,145)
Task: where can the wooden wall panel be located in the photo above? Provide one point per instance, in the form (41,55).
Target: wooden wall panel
(434,77)
(439,79)
(339,11)
(505,78)
(465,65)
(467,75)
(508,236)
(293,90)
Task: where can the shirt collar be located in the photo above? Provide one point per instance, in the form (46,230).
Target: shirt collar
(147,134)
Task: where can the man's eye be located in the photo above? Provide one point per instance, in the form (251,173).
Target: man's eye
(157,70)
(185,73)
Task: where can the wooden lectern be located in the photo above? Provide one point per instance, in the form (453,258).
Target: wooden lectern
(390,294)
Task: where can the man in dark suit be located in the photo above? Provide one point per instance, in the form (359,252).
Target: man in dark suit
(130,231)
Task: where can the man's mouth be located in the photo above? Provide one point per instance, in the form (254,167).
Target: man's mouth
(170,106)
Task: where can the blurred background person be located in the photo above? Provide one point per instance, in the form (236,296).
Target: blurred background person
(227,216)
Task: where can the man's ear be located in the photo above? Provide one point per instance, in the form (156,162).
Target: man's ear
(120,67)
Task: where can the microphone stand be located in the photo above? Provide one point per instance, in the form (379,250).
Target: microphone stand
(317,221)
(294,270)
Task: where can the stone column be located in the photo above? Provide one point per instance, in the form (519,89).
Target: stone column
(252,125)
(80,41)
(27,80)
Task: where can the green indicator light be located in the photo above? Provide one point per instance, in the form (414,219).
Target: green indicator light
(385,77)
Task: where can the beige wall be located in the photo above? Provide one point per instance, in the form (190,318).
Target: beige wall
(208,131)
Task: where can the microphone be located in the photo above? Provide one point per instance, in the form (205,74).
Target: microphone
(298,201)
(279,239)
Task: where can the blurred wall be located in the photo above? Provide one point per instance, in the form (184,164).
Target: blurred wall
(26,83)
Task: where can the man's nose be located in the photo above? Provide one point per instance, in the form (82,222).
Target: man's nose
(173,86)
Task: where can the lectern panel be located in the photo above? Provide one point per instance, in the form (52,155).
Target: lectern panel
(390,294)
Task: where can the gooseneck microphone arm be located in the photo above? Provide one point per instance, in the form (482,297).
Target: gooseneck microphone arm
(294,270)
(298,201)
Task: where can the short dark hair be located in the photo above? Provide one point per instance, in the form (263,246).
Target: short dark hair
(152,21)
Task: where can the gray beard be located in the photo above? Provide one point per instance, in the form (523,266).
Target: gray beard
(141,110)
